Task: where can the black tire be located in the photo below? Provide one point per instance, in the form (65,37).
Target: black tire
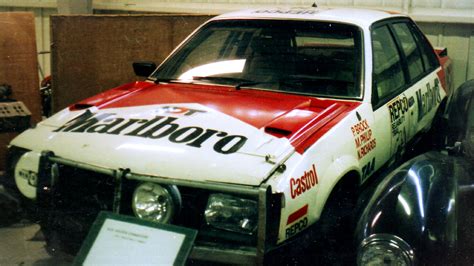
(435,139)
(335,241)
(10,207)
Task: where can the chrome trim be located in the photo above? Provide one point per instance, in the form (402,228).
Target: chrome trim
(389,240)
(243,255)
(223,187)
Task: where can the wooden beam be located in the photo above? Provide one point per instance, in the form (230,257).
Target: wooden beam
(69,7)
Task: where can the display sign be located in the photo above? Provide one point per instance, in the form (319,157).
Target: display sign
(123,240)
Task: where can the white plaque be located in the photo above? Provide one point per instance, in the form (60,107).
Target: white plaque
(122,240)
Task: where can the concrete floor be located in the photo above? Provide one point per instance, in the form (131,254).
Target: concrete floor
(21,241)
(22,244)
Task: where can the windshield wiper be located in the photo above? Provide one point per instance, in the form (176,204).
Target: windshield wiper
(165,80)
(289,82)
(253,83)
(240,81)
(221,79)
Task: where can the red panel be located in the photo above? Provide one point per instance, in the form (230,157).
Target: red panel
(301,119)
(443,76)
(297,214)
(110,96)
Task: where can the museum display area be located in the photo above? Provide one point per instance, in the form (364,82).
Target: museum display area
(180,133)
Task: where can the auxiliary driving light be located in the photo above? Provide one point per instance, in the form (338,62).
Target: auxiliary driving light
(155,202)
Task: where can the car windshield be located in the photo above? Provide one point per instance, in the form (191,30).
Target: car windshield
(315,58)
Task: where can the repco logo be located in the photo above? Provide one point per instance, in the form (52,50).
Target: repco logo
(155,128)
(304,183)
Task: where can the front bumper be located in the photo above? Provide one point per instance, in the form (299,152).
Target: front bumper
(51,201)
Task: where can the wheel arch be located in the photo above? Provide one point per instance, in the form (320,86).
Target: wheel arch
(347,184)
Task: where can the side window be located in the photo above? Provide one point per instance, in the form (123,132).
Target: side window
(410,49)
(429,57)
(388,75)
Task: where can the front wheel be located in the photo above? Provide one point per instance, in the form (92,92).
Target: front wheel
(334,243)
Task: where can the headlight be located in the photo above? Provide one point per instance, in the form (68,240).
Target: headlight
(385,249)
(156,203)
(232,213)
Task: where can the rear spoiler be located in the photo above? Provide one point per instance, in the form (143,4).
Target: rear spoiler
(441,51)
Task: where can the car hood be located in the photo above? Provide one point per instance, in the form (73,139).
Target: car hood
(186,131)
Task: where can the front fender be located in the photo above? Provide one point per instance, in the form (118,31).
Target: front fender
(333,174)
(417,203)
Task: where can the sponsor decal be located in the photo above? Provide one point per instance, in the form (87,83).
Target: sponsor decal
(398,108)
(179,110)
(156,128)
(298,221)
(428,99)
(304,183)
(368,169)
(29,176)
(289,11)
(297,214)
(296,228)
(364,140)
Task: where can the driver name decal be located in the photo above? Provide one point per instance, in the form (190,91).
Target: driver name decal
(364,140)
(155,128)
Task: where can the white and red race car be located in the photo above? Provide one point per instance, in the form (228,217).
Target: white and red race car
(256,126)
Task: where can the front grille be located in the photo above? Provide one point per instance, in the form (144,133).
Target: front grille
(71,205)
(76,196)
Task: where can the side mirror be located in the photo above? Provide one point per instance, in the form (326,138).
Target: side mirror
(143,68)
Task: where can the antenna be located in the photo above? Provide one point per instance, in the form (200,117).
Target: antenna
(314,4)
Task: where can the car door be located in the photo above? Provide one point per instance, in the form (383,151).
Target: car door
(421,65)
(390,93)
(404,85)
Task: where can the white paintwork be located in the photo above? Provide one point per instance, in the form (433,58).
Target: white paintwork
(360,17)
(161,156)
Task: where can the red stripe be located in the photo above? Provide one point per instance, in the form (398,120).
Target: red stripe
(297,214)
(443,79)
(442,74)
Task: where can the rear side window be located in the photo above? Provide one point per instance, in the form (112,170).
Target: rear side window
(388,74)
(410,49)
(430,60)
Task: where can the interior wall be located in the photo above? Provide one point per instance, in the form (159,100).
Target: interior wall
(42,33)
(459,39)
(18,66)
(91,54)
(448,23)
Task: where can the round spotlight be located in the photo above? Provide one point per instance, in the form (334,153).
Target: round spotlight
(156,203)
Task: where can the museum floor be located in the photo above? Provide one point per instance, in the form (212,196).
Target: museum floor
(22,242)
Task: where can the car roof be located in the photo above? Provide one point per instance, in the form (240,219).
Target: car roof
(360,17)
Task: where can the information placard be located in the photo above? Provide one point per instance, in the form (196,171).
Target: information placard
(123,240)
